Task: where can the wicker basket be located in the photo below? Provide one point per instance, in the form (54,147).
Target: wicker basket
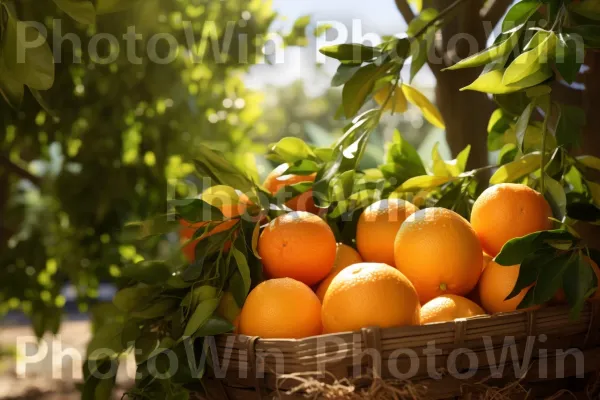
(256,366)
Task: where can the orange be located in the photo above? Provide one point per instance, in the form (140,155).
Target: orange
(281,308)
(377,228)
(507,211)
(276,180)
(448,308)
(298,245)
(369,294)
(495,285)
(231,203)
(560,296)
(439,252)
(345,257)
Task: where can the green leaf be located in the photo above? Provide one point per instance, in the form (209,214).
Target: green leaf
(347,154)
(424,17)
(357,89)
(589,33)
(570,54)
(292,149)
(490,54)
(424,182)
(158,308)
(404,155)
(215,326)
(11,89)
(321,29)
(200,316)
(587,9)
(537,39)
(529,270)
(512,104)
(550,277)
(243,268)
(111,6)
(107,337)
(491,82)
(343,74)
(579,282)
(212,164)
(589,161)
(522,125)
(351,53)
(556,196)
(150,272)
(304,167)
(81,11)
(430,112)
(131,298)
(498,124)
(519,14)
(583,212)
(145,346)
(438,164)
(570,124)
(104,390)
(530,63)
(515,250)
(32,66)
(131,332)
(255,237)
(420,48)
(197,210)
(507,154)
(517,169)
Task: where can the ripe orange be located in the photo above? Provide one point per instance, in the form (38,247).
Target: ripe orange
(495,285)
(448,308)
(507,211)
(439,252)
(231,203)
(345,257)
(369,294)
(298,245)
(276,180)
(377,229)
(560,296)
(281,308)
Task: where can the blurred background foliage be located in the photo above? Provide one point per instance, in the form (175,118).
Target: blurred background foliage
(110,140)
(109,143)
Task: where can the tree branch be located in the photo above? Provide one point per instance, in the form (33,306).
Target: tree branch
(494,10)
(15,169)
(405,10)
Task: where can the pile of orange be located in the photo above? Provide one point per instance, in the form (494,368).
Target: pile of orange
(406,266)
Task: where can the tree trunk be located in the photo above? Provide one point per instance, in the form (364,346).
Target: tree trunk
(466,113)
(590,143)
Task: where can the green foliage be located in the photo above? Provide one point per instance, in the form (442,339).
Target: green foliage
(108,144)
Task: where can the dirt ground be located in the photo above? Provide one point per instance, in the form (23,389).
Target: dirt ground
(50,370)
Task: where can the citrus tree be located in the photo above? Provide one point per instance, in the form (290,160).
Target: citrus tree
(88,145)
(177,306)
